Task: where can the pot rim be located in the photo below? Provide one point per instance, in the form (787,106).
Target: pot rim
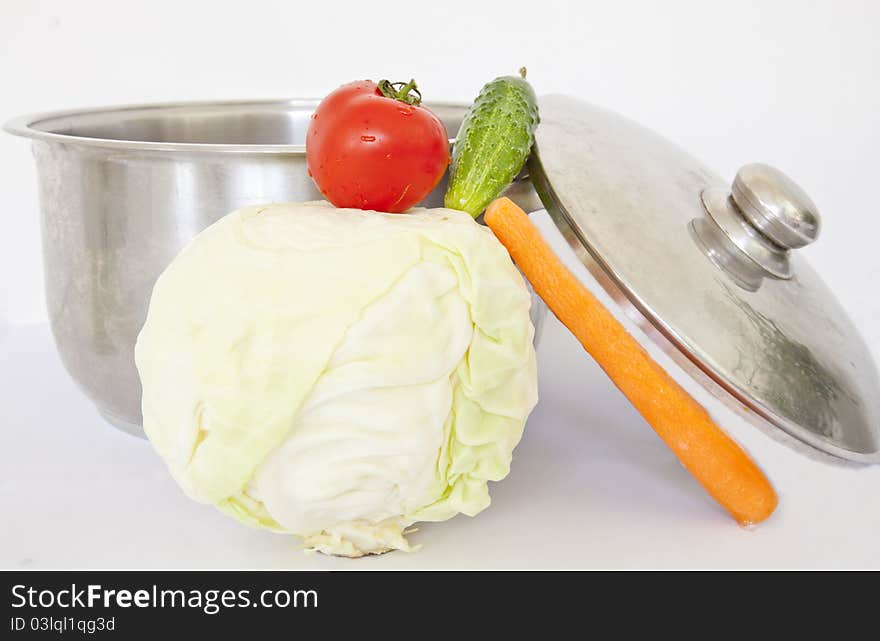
(28,126)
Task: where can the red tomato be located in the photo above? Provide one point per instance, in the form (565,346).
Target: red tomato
(370,151)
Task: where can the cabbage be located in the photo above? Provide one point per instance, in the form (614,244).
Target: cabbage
(339,374)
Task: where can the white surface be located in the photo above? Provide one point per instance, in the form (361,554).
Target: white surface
(591,486)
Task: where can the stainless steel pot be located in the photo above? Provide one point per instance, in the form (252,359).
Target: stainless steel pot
(123,189)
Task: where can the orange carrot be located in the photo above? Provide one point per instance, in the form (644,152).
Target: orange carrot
(720,465)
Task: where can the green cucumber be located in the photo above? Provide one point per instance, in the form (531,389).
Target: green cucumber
(493,143)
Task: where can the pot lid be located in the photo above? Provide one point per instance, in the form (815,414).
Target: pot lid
(715,268)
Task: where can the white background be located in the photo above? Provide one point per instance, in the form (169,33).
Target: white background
(794,84)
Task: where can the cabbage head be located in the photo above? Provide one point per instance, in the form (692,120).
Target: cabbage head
(339,374)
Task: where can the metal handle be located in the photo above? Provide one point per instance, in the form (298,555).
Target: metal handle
(763,217)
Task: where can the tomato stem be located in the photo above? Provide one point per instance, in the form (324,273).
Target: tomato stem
(401,91)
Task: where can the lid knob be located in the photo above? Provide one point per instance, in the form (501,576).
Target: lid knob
(763,217)
(776,206)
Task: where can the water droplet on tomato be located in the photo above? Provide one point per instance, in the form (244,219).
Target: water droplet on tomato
(368,138)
